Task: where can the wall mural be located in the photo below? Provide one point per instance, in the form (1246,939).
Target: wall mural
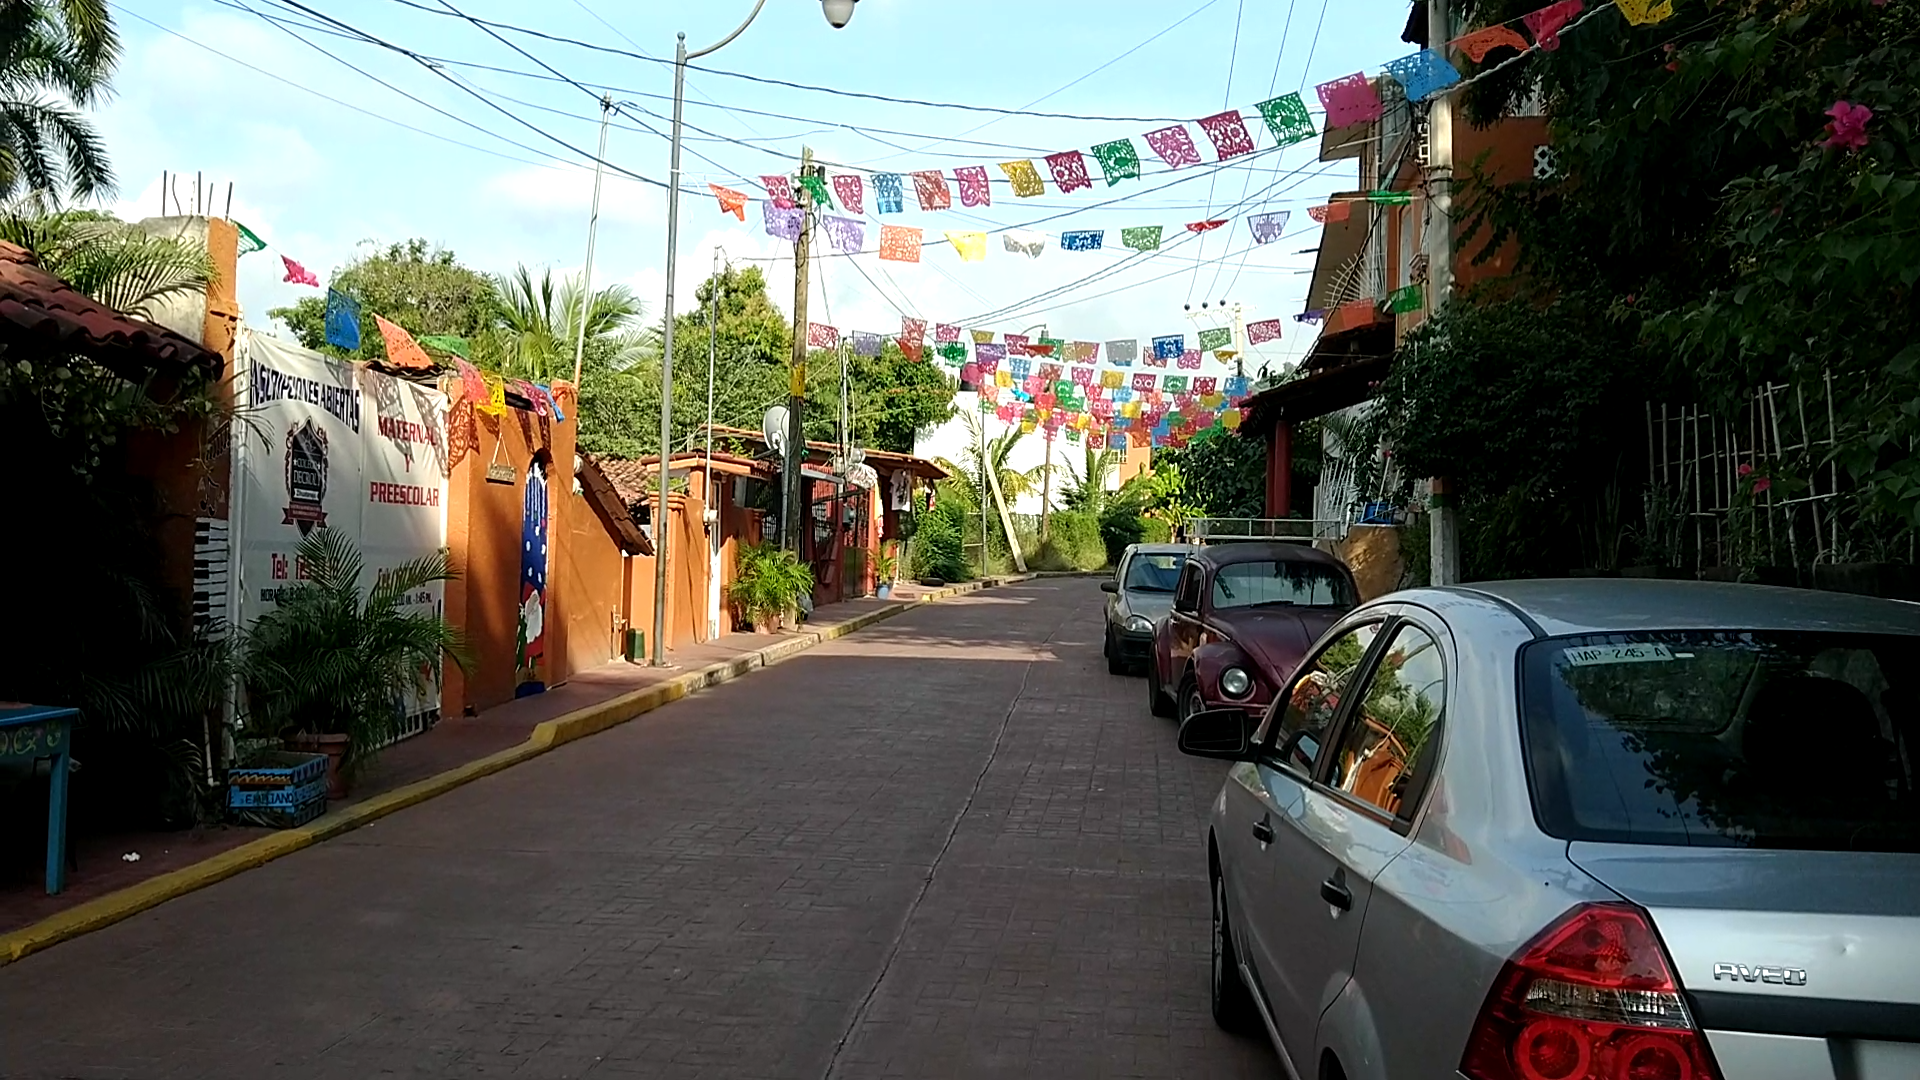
(530,656)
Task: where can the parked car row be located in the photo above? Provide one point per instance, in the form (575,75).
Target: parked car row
(1558,830)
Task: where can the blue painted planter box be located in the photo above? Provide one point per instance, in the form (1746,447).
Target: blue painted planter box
(279,769)
(281,790)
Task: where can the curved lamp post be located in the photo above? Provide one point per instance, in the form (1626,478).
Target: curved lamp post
(838,13)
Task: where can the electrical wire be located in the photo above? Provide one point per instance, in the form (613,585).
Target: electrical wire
(1233,60)
(809,87)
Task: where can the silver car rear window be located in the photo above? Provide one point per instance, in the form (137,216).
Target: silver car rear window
(1806,741)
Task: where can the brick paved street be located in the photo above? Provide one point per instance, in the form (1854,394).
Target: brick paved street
(947,846)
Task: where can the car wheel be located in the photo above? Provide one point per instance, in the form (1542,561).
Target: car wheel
(1156,701)
(1190,700)
(1116,665)
(1232,1001)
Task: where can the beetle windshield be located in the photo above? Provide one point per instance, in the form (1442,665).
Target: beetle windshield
(1154,572)
(1755,739)
(1281,581)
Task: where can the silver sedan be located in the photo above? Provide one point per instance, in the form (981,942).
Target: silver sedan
(1579,830)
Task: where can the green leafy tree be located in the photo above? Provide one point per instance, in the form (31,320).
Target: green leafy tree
(56,57)
(535,328)
(1224,476)
(421,288)
(968,481)
(1086,486)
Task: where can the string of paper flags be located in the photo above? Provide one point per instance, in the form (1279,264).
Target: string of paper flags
(1346,101)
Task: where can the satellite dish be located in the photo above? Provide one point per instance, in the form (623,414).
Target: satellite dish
(773,428)
(863,477)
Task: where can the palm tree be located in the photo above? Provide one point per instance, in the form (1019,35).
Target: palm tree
(1086,486)
(539,322)
(968,478)
(55,59)
(103,257)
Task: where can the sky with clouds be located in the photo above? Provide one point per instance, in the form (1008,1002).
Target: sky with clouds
(486,148)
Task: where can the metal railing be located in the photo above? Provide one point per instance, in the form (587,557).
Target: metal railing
(1294,530)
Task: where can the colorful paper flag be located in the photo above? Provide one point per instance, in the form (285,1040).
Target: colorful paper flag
(1481,42)
(844,235)
(1024,178)
(496,404)
(989,354)
(1259,333)
(852,191)
(1351,99)
(473,386)
(815,186)
(1390,198)
(1205,384)
(1331,214)
(1016,344)
(953,353)
(299,275)
(1082,240)
(1545,25)
(1311,316)
(821,336)
(866,344)
(1645,12)
(1055,348)
(972,246)
(447,343)
(343,321)
(781,222)
(1024,242)
(975,190)
(1237,386)
(250,241)
(1423,74)
(779,191)
(1215,338)
(1069,170)
(1228,133)
(887,198)
(1268,227)
(1123,351)
(1230,419)
(1112,380)
(1405,300)
(1189,360)
(402,350)
(1141,238)
(899,243)
(913,336)
(1287,118)
(945,332)
(1118,160)
(1084,352)
(1174,384)
(1143,381)
(1169,346)
(731,201)
(1174,146)
(1205,226)
(931,189)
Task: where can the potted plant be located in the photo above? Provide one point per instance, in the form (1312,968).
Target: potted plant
(769,586)
(886,566)
(330,668)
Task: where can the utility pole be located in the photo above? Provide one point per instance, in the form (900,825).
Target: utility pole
(593,229)
(986,470)
(1437,235)
(1046,484)
(795,502)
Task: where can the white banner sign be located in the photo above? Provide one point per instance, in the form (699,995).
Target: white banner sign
(321,443)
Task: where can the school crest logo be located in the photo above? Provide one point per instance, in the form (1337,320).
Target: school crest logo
(306,477)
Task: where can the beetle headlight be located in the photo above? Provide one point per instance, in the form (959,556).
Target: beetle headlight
(1138,624)
(1235,682)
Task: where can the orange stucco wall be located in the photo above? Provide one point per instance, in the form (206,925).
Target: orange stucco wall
(1504,151)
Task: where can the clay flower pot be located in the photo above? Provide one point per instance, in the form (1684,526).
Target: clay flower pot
(335,747)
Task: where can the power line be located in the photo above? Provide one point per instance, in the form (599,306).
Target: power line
(809,87)
(1233,60)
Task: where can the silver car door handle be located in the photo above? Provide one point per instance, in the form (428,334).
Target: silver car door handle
(1263,831)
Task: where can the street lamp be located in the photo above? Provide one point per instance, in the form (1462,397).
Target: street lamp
(838,13)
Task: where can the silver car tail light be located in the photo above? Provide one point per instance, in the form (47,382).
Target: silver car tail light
(1592,998)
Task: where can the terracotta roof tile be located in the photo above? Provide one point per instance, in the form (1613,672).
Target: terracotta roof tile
(39,308)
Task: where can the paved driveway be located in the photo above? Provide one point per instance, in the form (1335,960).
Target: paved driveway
(949,845)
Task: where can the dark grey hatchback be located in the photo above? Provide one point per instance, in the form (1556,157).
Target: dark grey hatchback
(1140,595)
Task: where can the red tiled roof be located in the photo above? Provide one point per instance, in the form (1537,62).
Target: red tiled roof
(38,308)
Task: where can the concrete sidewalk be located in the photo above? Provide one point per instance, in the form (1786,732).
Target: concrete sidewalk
(456,751)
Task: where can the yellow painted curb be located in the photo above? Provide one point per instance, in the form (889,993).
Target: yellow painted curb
(125,903)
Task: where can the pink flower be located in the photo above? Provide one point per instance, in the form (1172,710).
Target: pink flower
(1761,485)
(1848,128)
(1745,470)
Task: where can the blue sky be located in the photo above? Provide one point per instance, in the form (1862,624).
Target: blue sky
(315,177)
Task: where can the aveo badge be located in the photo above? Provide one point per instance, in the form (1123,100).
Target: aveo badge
(1777,976)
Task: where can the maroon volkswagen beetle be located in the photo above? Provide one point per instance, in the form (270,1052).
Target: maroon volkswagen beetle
(1243,616)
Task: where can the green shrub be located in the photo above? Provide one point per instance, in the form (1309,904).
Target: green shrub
(937,547)
(769,582)
(1155,531)
(1074,542)
(1121,525)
